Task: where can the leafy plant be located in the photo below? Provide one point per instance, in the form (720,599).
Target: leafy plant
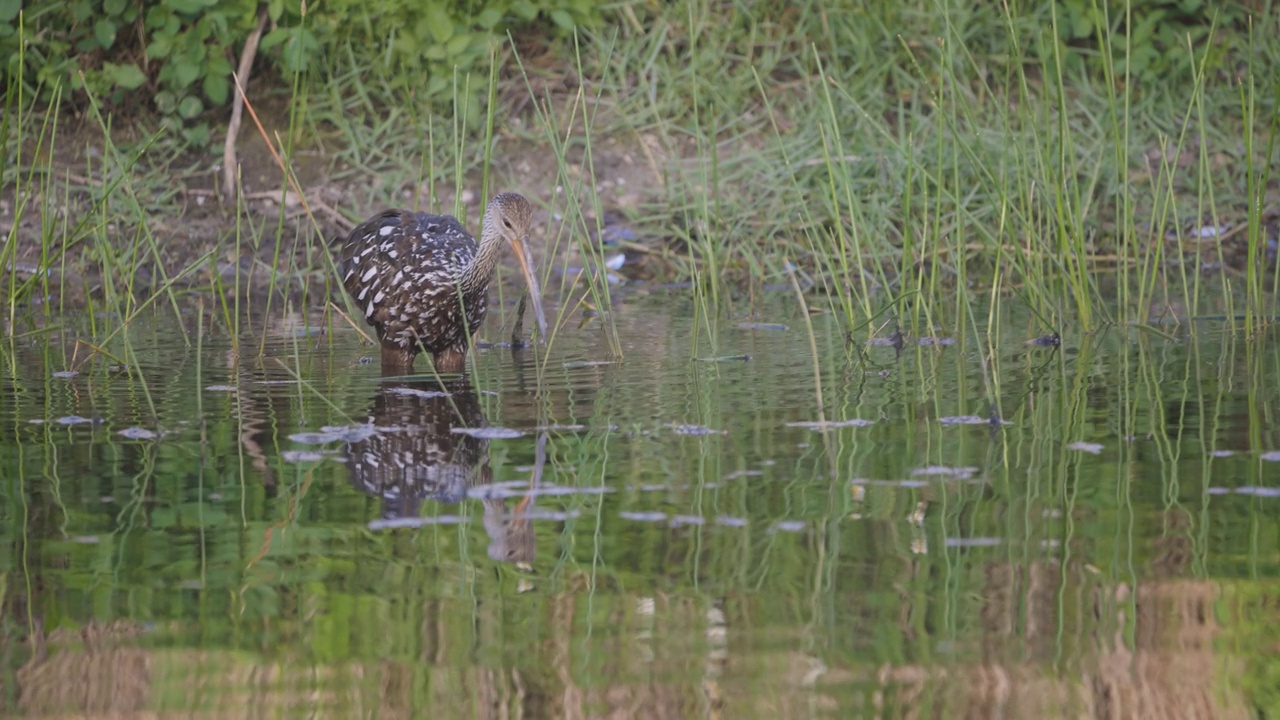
(177,56)
(1151,40)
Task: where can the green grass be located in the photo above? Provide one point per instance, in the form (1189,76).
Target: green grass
(912,164)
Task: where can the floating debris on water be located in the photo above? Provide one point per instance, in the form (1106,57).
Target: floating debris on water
(552,515)
(1258,491)
(932,341)
(743,473)
(1270,456)
(222,388)
(974,542)
(963,420)
(830,424)
(568,490)
(730,521)
(725,358)
(137,433)
(777,327)
(415,392)
(694,430)
(962,473)
(642,516)
(312,438)
(489,433)
(417,522)
(589,363)
(788,526)
(1082,446)
(519,489)
(66,374)
(678,520)
(611,263)
(77,420)
(859,482)
(328,434)
(1050,340)
(1229,453)
(301,456)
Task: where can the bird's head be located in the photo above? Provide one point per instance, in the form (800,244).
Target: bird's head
(510,216)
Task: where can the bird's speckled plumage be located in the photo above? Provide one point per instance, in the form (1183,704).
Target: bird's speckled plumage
(422,281)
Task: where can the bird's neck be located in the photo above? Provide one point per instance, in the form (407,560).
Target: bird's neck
(477,274)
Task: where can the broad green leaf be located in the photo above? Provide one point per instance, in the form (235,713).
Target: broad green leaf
(458,45)
(185,71)
(489,18)
(438,22)
(157,16)
(562,19)
(9,9)
(216,87)
(274,38)
(104,31)
(524,10)
(166,102)
(218,65)
(81,11)
(190,7)
(128,77)
(197,134)
(160,47)
(113,7)
(190,107)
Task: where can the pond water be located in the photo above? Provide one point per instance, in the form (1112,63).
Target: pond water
(745,515)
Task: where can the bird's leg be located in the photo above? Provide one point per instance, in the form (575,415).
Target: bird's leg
(397,360)
(451,360)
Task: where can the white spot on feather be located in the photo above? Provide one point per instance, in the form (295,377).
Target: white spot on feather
(363,291)
(386,230)
(378,298)
(369,274)
(393,254)
(368,311)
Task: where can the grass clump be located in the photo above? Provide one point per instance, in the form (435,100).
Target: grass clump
(929,145)
(887,157)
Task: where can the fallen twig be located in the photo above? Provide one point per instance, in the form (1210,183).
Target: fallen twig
(230,166)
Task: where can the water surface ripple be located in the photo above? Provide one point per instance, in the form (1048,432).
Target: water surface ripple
(716,522)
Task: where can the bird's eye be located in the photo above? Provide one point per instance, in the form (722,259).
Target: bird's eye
(506,223)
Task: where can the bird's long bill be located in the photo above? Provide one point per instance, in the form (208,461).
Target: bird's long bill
(531,278)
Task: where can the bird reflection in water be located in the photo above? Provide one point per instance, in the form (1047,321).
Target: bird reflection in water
(417,456)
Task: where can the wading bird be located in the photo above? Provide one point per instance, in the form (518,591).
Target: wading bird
(422,281)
